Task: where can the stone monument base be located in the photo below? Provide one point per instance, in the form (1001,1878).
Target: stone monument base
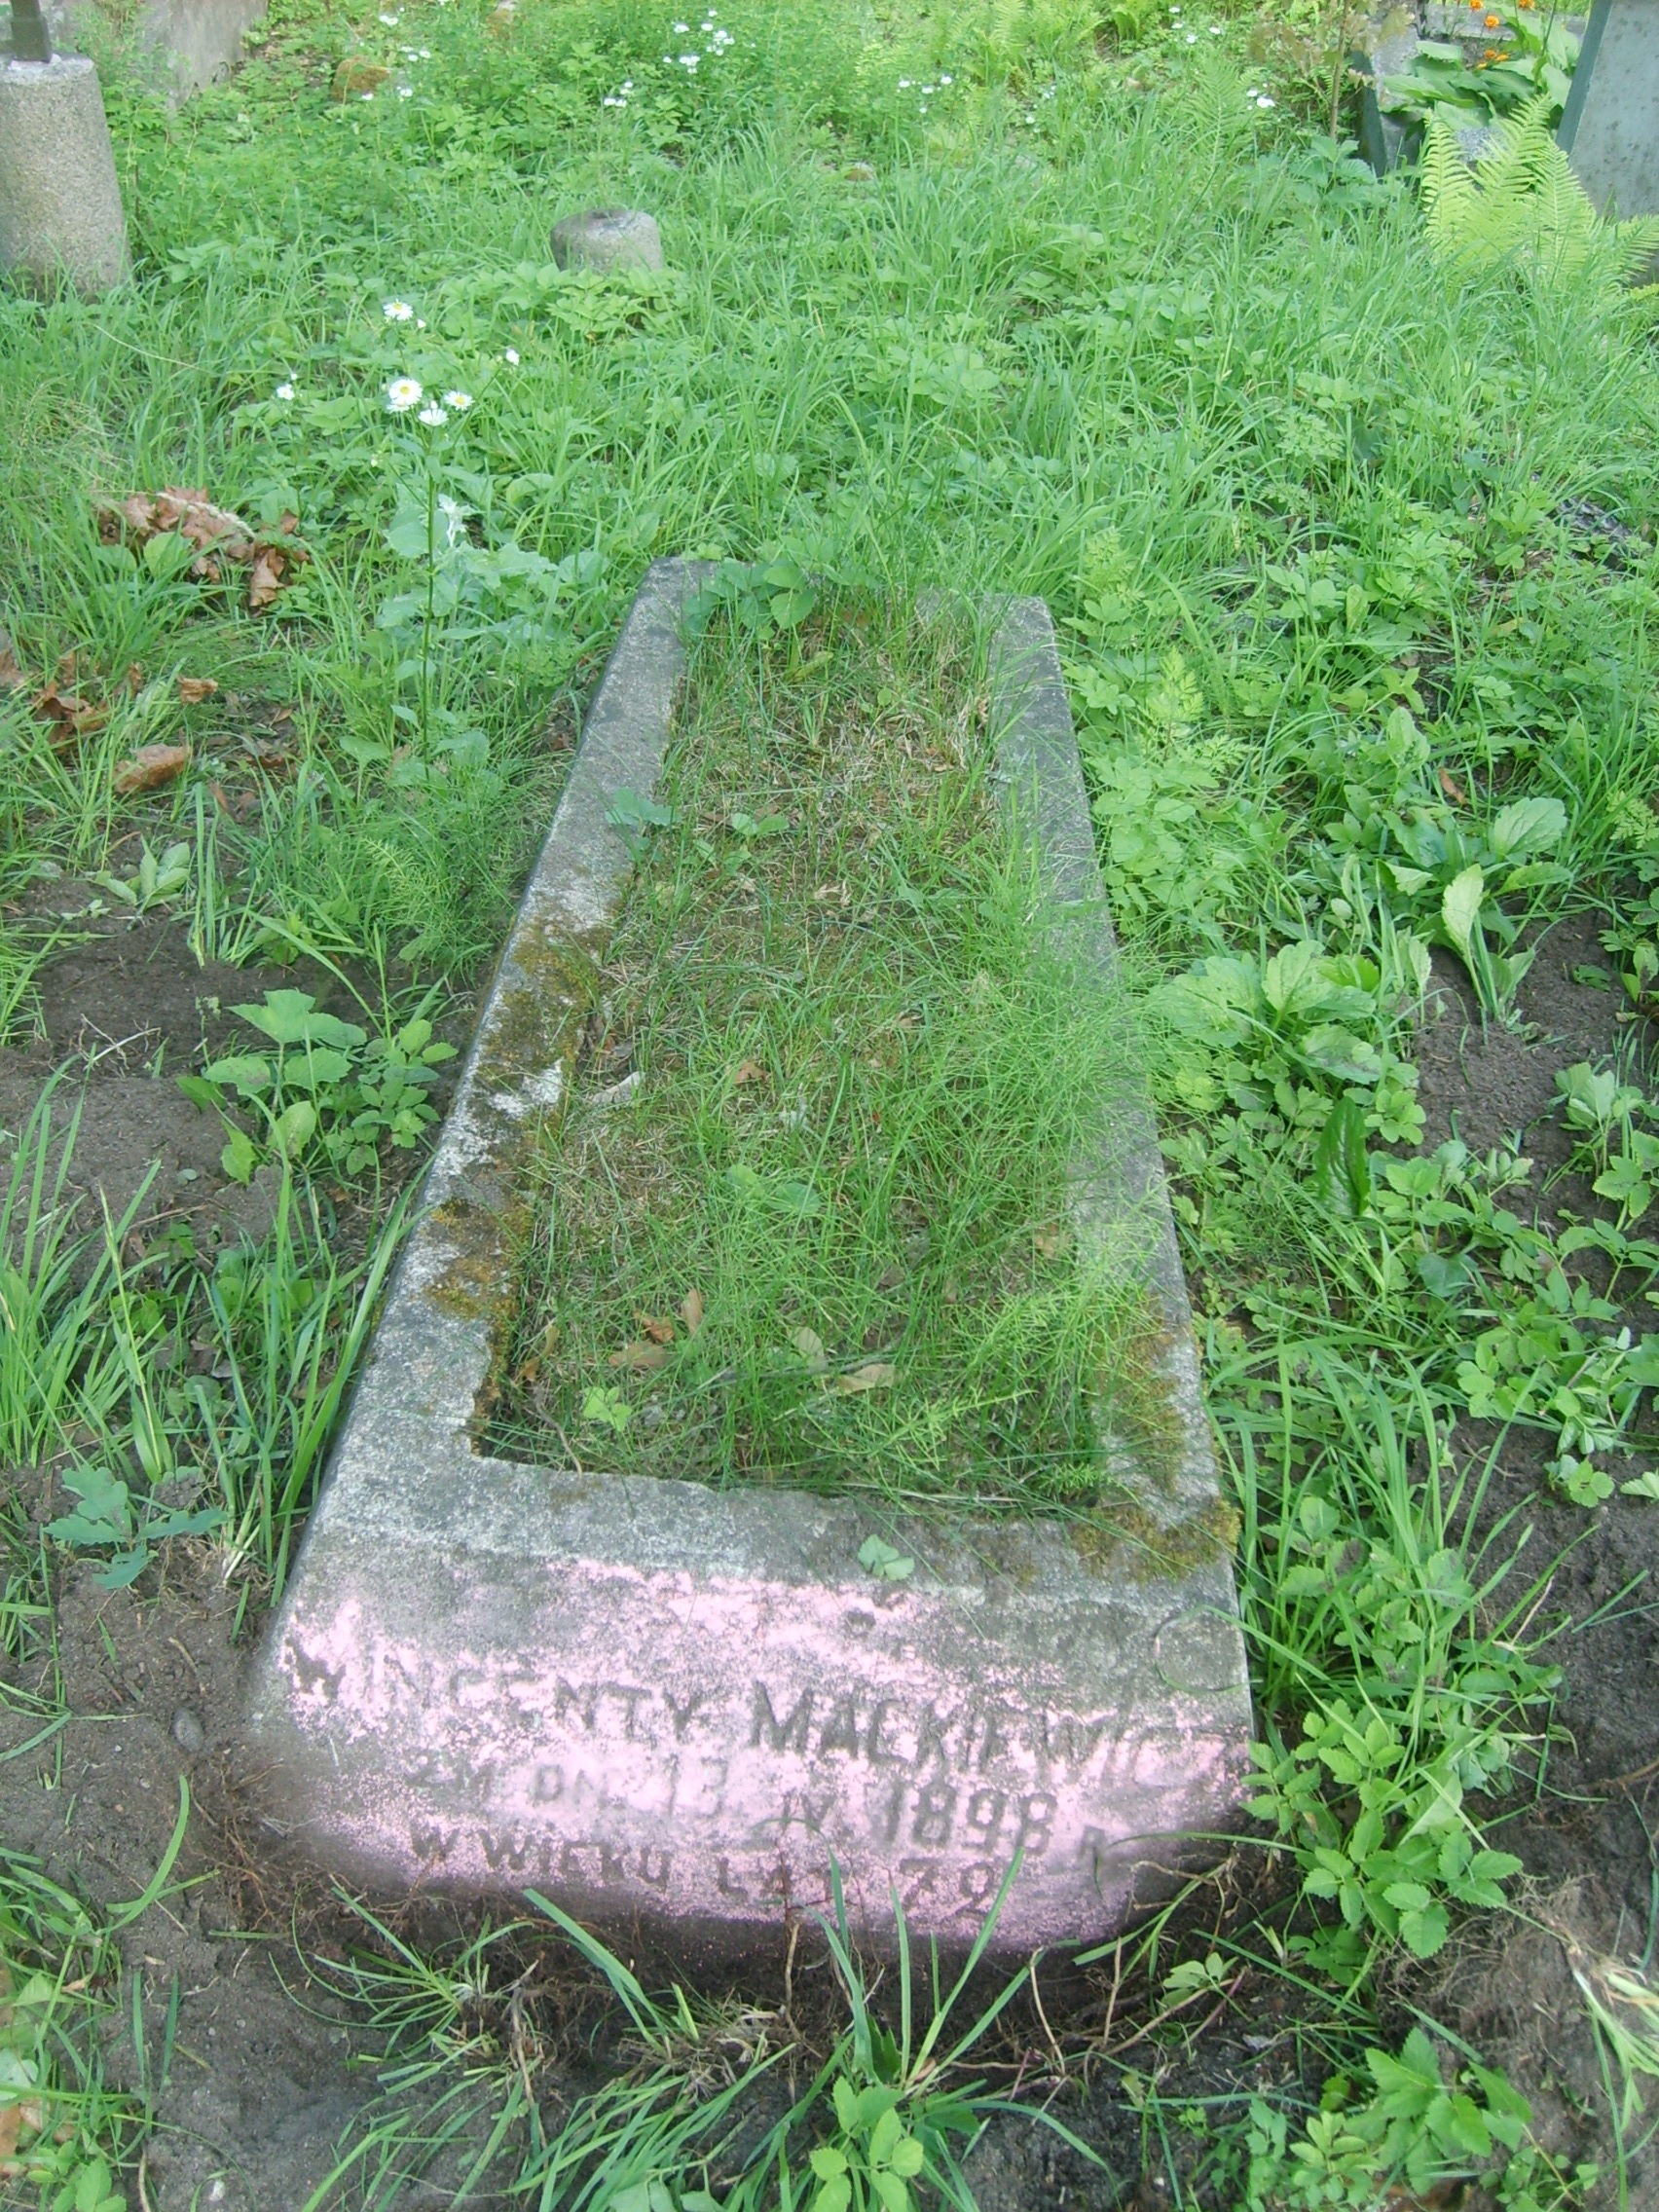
(60,206)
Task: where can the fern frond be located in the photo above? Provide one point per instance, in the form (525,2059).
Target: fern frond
(1522,202)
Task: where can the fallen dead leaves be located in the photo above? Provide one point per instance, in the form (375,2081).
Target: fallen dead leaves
(11,676)
(71,715)
(221,538)
(151,767)
(192,689)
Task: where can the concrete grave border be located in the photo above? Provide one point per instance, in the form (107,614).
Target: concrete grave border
(665,1705)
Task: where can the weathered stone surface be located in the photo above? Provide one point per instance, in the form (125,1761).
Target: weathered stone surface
(1389,48)
(356,75)
(60,202)
(192,42)
(668,1704)
(1611,124)
(608,238)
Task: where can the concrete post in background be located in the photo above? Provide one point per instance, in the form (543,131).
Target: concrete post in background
(1611,128)
(60,203)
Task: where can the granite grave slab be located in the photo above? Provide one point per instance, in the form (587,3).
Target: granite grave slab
(668,1706)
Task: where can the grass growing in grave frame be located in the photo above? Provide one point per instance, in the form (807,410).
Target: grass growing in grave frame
(805,1220)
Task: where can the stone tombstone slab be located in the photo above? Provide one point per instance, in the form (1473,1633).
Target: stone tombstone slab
(1610,127)
(667,1705)
(192,43)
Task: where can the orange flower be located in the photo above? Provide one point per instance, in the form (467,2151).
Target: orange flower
(1492,23)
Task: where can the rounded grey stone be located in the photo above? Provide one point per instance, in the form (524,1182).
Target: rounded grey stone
(187,1732)
(60,203)
(608,238)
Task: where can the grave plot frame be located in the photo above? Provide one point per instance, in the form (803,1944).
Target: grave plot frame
(668,1706)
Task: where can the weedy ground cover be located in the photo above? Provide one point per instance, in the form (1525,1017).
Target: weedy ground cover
(1350,526)
(807,1219)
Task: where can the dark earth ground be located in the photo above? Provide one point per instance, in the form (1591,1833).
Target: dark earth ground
(262,2078)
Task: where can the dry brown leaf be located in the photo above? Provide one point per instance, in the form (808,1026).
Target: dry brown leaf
(149,767)
(810,1346)
(11,2127)
(192,689)
(692,1312)
(659,1331)
(68,666)
(642,1357)
(134,678)
(1453,789)
(873,1374)
(1054,1241)
(747,1071)
(11,676)
(265,580)
(74,716)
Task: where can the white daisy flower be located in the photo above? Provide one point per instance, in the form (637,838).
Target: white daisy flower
(690,60)
(1191,38)
(390,21)
(1264,101)
(460,401)
(434,418)
(397,310)
(284,391)
(680,29)
(945,80)
(401,394)
(406,92)
(904,84)
(511,356)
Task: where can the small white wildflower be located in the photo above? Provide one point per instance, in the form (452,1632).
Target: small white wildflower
(401,394)
(1191,38)
(607,102)
(511,356)
(390,21)
(397,310)
(425,55)
(434,418)
(690,60)
(1264,101)
(460,401)
(680,29)
(904,84)
(420,322)
(928,92)
(365,96)
(1217,30)
(406,92)
(945,80)
(284,391)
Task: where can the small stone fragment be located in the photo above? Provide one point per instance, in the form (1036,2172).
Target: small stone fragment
(357,76)
(608,238)
(187,1732)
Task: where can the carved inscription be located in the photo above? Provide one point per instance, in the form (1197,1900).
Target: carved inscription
(741,1789)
